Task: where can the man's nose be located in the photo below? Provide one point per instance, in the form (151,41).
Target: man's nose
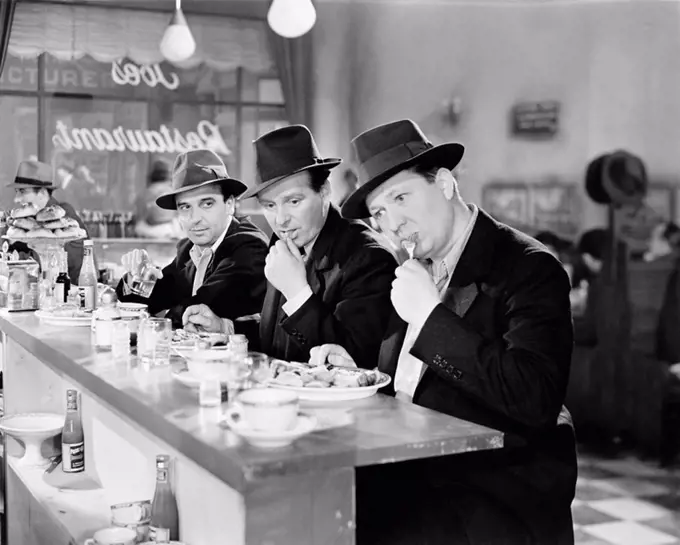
(282,217)
(394,222)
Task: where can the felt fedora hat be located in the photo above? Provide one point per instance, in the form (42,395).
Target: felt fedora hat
(594,187)
(388,149)
(198,168)
(34,174)
(624,178)
(284,152)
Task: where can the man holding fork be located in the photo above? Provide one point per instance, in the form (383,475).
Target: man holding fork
(481,330)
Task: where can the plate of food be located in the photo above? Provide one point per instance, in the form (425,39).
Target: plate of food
(28,223)
(65,316)
(327,383)
(184,341)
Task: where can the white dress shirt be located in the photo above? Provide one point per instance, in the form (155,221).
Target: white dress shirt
(409,368)
(202,259)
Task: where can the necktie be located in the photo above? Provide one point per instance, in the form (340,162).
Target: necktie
(202,264)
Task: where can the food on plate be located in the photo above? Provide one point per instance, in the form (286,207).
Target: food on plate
(185,339)
(28,221)
(16,232)
(69,310)
(50,213)
(24,211)
(322,376)
(25,223)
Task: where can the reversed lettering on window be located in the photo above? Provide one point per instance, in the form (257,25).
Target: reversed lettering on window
(128,73)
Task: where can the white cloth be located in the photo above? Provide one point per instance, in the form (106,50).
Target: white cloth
(202,259)
(409,368)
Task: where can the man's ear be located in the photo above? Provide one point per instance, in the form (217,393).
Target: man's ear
(231,205)
(446,183)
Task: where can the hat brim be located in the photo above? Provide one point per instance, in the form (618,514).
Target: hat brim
(445,156)
(326,164)
(22,185)
(230,185)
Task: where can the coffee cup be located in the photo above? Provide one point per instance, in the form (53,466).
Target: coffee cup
(113,536)
(267,409)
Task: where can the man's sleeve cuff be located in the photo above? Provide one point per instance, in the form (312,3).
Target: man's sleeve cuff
(292,305)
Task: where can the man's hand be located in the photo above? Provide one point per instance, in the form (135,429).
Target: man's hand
(135,261)
(330,353)
(199,318)
(414,295)
(285,268)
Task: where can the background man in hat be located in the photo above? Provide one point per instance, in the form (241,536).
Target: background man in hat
(222,259)
(34,184)
(329,279)
(481,330)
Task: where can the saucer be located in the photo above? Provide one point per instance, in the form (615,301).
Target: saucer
(189,379)
(271,439)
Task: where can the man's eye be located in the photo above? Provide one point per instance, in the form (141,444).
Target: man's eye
(377,215)
(401,197)
(208,204)
(294,202)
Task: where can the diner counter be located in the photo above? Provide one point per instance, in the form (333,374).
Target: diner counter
(153,406)
(383,429)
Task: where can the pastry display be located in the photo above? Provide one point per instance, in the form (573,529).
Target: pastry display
(28,221)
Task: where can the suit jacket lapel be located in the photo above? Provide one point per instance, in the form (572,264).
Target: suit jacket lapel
(320,258)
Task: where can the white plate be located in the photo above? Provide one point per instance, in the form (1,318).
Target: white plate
(63,321)
(189,379)
(267,439)
(332,394)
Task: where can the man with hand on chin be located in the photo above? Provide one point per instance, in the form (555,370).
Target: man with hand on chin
(481,330)
(328,278)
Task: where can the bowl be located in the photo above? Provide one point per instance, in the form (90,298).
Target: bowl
(214,363)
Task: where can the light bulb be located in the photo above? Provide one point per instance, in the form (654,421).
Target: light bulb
(291,18)
(178,44)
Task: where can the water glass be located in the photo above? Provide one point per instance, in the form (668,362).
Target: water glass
(142,281)
(210,392)
(120,345)
(260,367)
(153,341)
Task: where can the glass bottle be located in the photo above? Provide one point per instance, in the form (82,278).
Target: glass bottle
(164,513)
(63,283)
(72,438)
(105,318)
(87,281)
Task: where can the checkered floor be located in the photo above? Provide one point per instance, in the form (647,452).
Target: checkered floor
(625,501)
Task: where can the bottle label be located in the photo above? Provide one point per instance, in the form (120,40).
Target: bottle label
(89,296)
(159,534)
(162,475)
(73,457)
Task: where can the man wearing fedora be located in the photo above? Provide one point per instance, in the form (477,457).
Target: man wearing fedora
(34,184)
(481,330)
(328,278)
(221,261)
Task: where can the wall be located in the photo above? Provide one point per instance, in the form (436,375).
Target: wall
(614,66)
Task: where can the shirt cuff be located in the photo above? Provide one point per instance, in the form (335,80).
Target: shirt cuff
(227,326)
(293,304)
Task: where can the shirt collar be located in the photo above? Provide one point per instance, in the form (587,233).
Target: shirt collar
(444,268)
(196,253)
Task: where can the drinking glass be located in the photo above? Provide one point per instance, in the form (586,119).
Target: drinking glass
(142,281)
(210,392)
(260,368)
(153,341)
(236,377)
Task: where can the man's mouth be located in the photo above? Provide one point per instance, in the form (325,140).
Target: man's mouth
(290,233)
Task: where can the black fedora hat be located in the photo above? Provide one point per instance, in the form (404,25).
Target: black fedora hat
(594,187)
(197,168)
(283,152)
(388,149)
(624,178)
(33,174)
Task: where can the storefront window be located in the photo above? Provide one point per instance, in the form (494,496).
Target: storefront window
(102,125)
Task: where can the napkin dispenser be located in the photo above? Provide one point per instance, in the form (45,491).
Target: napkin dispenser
(19,285)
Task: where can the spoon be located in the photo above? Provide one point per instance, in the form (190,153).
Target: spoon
(409,244)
